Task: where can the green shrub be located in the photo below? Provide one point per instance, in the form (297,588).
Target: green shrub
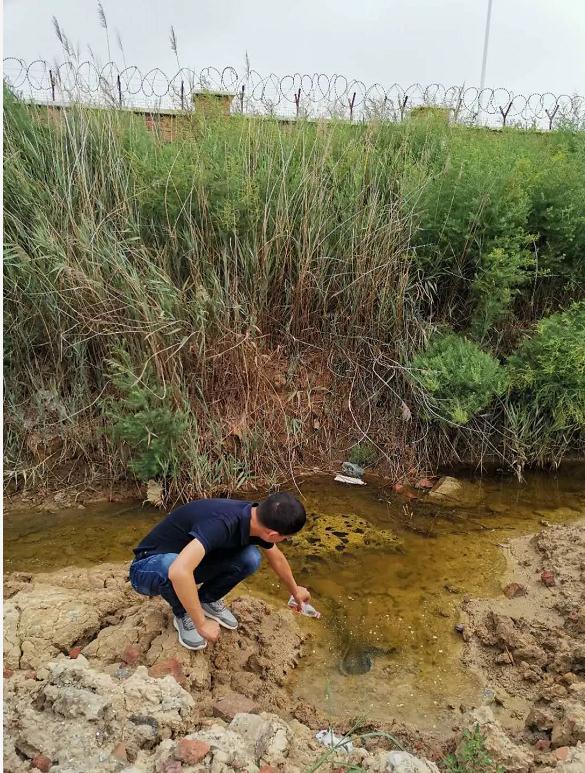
(457,377)
(498,280)
(143,421)
(363,454)
(472,756)
(546,407)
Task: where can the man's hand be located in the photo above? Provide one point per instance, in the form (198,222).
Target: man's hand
(301,596)
(209,630)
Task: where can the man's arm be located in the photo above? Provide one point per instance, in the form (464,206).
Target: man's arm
(181,576)
(281,567)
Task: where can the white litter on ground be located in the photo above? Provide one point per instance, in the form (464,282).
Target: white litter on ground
(347,479)
(328,738)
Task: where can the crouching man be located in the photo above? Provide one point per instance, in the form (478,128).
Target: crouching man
(214,543)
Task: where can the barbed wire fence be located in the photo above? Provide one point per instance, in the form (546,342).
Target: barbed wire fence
(289,96)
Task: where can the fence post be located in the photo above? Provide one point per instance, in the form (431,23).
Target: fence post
(351,104)
(551,116)
(505,114)
(119,82)
(52,79)
(403,107)
(459,103)
(242,92)
(297,98)
(182,95)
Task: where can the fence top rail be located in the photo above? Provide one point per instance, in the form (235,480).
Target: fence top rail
(295,95)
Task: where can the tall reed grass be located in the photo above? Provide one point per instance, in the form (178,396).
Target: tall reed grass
(250,298)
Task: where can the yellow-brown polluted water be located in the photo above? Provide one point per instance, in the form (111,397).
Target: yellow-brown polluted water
(388,577)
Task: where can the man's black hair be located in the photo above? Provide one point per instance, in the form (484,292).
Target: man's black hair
(282,512)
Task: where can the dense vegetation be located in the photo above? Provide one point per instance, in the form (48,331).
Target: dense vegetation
(256,298)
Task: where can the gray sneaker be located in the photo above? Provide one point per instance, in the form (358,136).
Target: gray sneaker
(189,636)
(218,611)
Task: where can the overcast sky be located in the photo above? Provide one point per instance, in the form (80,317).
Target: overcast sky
(535,45)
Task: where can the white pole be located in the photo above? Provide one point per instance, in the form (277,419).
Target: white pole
(486,41)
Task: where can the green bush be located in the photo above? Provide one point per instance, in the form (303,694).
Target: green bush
(472,756)
(143,421)
(457,377)
(546,407)
(498,280)
(364,455)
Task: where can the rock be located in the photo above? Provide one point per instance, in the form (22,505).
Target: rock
(575,763)
(547,578)
(348,468)
(227,748)
(542,745)
(569,728)
(268,769)
(8,672)
(272,744)
(541,719)
(514,589)
(424,483)
(227,707)
(403,762)
(74,652)
(446,487)
(171,766)
(40,762)
(191,752)
(456,493)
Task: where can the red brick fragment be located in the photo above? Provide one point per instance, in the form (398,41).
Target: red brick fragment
(74,652)
(548,578)
(190,751)
(41,762)
(131,655)
(8,672)
(171,667)
(227,707)
(542,745)
(119,752)
(562,753)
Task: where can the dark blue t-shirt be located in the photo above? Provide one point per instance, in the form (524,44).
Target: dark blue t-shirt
(218,524)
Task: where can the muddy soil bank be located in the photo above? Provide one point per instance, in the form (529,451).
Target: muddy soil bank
(529,647)
(94,678)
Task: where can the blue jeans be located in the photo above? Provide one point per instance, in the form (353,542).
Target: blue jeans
(219,574)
